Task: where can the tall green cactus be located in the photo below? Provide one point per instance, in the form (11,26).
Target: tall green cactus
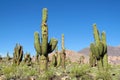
(99,49)
(18,54)
(63,54)
(42,47)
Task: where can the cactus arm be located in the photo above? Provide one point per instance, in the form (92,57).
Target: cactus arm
(21,53)
(44,15)
(58,60)
(96,34)
(63,42)
(101,48)
(52,45)
(92,60)
(104,41)
(54,61)
(105,62)
(56,49)
(105,57)
(103,37)
(37,44)
(94,50)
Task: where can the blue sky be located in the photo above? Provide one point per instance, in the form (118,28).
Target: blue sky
(19,19)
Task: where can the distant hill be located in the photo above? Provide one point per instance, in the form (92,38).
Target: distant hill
(113,55)
(112,51)
(72,55)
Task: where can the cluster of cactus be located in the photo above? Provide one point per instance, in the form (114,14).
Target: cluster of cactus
(43,48)
(56,58)
(27,59)
(18,54)
(99,49)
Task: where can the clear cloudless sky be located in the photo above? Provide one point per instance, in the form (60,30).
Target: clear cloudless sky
(19,19)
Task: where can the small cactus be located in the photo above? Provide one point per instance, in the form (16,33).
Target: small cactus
(56,58)
(59,59)
(18,54)
(81,60)
(8,57)
(27,59)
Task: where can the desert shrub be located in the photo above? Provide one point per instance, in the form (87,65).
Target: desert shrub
(46,75)
(27,71)
(79,70)
(103,75)
(9,71)
(115,72)
(86,77)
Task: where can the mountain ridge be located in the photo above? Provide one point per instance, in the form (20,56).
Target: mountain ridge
(112,51)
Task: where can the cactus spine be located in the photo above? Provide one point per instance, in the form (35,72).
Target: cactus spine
(63,54)
(18,54)
(99,49)
(42,47)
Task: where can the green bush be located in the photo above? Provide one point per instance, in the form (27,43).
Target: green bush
(79,70)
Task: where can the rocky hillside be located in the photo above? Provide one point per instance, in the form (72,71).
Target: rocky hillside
(113,53)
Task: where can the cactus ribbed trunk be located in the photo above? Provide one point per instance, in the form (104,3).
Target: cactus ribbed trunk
(43,48)
(43,63)
(44,39)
